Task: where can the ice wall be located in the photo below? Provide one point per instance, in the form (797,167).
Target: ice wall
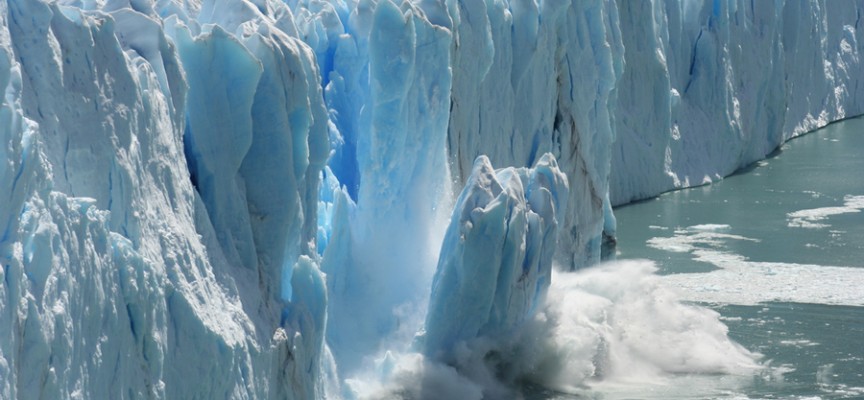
(710,87)
(163,163)
(388,94)
(415,87)
(162,184)
(535,77)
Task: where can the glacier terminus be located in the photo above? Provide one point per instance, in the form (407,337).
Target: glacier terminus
(402,199)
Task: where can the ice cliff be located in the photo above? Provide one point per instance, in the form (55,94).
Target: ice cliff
(727,82)
(249,198)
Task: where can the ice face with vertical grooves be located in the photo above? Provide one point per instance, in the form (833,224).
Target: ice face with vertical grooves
(536,77)
(496,261)
(136,272)
(397,122)
(727,83)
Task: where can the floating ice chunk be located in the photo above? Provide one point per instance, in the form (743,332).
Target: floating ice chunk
(811,218)
(741,281)
(709,227)
(696,238)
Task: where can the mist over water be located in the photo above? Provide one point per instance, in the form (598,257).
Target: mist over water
(717,306)
(615,324)
(615,327)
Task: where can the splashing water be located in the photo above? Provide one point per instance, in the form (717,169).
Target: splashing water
(613,326)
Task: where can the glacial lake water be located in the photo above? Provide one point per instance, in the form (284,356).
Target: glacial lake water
(778,251)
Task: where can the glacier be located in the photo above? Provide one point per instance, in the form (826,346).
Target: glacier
(296,200)
(728,83)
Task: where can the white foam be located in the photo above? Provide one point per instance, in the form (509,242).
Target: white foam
(710,227)
(615,328)
(695,237)
(750,283)
(811,218)
(411,376)
(799,343)
(744,282)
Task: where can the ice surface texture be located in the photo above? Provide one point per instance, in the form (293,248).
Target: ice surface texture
(121,275)
(496,261)
(180,175)
(710,87)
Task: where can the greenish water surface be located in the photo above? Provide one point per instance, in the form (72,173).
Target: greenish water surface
(798,212)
